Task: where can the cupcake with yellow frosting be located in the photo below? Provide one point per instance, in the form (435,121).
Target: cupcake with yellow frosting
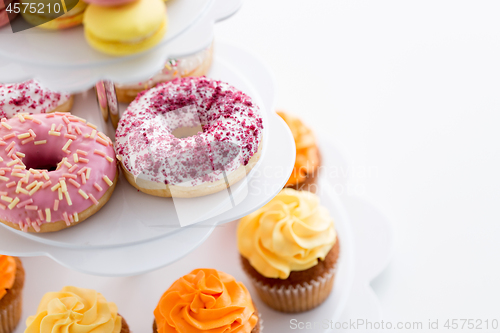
(11,292)
(307,158)
(289,250)
(206,300)
(76,310)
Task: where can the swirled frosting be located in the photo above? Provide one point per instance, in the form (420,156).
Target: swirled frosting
(7,274)
(28,97)
(74,310)
(306,158)
(206,300)
(290,233)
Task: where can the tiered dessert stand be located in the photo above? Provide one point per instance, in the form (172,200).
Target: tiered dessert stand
(135,233)
(115,241)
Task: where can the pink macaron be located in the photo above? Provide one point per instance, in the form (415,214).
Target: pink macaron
(5,16)
(108,3)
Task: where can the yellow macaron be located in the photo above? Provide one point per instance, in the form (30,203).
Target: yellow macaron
(126,29)
(48,14)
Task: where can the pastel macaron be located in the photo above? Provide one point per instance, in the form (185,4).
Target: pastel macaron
(5,16)
(49,17)
(125,29)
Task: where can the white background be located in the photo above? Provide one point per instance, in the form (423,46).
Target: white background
(411,91)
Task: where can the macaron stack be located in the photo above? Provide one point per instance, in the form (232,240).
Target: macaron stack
(5,16)
(122,27)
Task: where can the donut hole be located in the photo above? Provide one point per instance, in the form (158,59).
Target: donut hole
(183,122)
(186,132)
(42,161)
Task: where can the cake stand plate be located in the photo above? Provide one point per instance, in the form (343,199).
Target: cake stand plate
(133,226)
(373,240)
(136,297)
(63,60)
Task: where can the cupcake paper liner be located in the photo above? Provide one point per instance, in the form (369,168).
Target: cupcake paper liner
(299,298)
(10,315)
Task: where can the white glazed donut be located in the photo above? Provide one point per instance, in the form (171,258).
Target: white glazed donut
(221,142)
(32,98)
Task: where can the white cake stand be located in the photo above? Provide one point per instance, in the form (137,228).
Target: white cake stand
(136,297)
(134,226)
(63,60)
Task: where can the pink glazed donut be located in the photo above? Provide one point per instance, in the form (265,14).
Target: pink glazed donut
(189,137)
(56,170)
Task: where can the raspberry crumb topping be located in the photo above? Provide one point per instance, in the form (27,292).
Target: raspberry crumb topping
(28,97)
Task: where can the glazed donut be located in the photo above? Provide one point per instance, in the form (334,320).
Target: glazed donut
(56,170)
(189,137)
(32,98)
(195,65)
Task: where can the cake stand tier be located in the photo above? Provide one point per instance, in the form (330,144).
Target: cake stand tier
(133,225)
(63,60)
(219,252)
(366,239)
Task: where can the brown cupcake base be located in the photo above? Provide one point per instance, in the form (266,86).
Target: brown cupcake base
(256,329)
(11,304)
(302,290)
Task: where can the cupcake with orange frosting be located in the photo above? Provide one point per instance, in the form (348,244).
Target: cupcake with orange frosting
(76,310)
(289,250)
(307,158)
(11,292)
(206,300)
